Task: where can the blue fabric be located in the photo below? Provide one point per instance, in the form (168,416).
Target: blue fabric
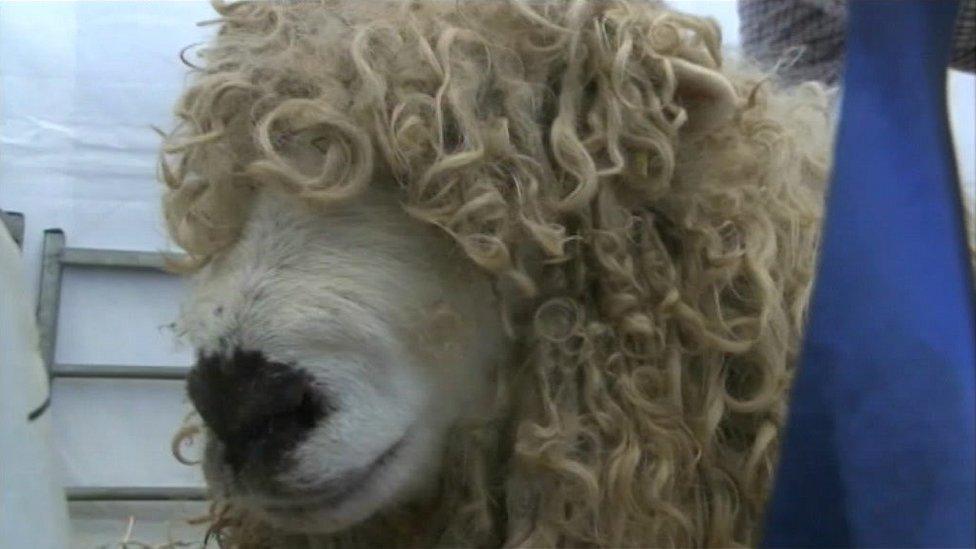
(880,447)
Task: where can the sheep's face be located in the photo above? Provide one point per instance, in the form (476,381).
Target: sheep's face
(336,348)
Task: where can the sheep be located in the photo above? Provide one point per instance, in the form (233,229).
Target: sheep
(515,273)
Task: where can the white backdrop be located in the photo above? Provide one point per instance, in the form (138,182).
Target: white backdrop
(80,85)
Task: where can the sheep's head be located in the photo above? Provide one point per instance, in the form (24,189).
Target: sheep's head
(534,271)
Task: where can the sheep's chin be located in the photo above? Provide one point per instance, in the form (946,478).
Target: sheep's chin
(403,472)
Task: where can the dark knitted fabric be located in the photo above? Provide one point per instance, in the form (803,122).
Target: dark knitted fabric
(805,38)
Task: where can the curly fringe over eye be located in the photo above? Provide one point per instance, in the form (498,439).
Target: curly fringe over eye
(658,276)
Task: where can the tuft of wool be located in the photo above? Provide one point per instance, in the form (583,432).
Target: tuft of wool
(653,239)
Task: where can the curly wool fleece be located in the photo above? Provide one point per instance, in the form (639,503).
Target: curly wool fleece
(648,211)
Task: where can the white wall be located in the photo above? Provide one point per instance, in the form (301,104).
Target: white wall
(80,85)
(962,113)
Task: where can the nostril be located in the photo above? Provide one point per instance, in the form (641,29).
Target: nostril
(309,410)
(302,414)
(255,407)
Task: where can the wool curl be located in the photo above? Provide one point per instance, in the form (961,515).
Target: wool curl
(655,281)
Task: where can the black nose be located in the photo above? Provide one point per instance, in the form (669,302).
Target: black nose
(257,408)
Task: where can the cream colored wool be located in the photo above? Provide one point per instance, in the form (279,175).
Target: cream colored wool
(648,211)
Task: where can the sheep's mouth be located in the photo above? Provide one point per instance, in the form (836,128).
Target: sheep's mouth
(332,493)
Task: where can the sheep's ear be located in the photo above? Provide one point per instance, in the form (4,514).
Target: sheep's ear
(706,94)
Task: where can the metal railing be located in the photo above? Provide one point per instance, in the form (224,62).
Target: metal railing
(55,257)
(136,493)
(14,222)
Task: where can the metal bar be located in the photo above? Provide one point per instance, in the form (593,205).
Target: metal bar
(135,493)
(55,257)
(99,371)
(49,294)
(15,224)
(119,259)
